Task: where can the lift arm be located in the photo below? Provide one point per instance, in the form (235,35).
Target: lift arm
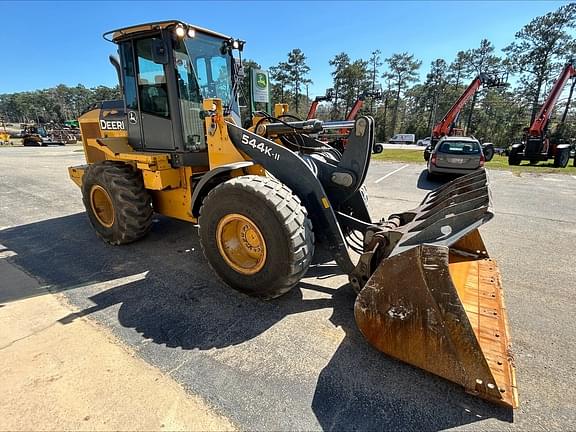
(538,127)
(360,103)
(316,102)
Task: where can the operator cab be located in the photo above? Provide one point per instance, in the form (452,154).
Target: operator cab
(166,70)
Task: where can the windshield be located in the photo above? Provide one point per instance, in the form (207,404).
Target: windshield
(459,147)
(212,69)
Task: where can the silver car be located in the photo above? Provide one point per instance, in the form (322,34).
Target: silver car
(456,155)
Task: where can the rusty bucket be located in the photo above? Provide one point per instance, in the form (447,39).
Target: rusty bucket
(438,305)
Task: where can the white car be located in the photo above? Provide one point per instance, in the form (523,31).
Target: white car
(423,142)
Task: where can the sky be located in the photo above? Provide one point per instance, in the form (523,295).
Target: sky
(47,43)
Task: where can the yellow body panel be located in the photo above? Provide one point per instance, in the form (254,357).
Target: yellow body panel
(221,151)
(159,180)
(176,202)
(76,173)
(170,188)
(90,130)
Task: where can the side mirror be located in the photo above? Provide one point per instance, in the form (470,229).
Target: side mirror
(159,52)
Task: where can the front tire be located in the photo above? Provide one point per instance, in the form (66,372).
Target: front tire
(118,205)
(514,158)
(256,235)
(378,148)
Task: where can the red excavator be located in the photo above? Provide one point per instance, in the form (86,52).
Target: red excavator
(537,145)
(446,126)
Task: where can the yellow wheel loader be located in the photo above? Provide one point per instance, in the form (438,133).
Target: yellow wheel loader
(263,197)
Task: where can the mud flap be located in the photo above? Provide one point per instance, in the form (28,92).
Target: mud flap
(440,307)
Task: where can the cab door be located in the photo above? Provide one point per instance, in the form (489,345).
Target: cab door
(148,114)
(155,115)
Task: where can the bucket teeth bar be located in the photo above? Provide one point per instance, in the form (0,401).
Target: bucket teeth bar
(446,214)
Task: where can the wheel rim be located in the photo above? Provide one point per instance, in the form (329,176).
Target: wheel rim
(102,206)
(241,244)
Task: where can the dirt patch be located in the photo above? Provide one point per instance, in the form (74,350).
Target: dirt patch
(77,376)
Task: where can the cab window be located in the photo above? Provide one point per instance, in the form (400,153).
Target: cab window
(151,80)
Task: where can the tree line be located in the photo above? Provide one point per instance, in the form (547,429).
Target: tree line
(56,104)
(406,104)
(532,62)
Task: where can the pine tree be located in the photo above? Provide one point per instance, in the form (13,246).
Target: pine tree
(402,70)
(541,47)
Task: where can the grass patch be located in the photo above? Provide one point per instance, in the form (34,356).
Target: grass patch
(498,162)
(401,155)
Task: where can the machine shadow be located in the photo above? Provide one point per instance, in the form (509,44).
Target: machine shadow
(425,184)
(363,389)
(162,288)
(161,285)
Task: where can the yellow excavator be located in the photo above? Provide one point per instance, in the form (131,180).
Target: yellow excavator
(427,291)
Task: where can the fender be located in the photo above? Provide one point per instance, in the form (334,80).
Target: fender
(292,170)
(562,146)
(518,145)
(209,180)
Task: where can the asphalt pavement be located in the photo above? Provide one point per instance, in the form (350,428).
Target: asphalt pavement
(298,362)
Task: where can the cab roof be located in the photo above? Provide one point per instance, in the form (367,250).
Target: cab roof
(115,35)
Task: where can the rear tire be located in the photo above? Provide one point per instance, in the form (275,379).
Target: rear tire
(118,205)
(378,148)
(30,143)
(514,158)
(256,235)
(427,152)
(562,158)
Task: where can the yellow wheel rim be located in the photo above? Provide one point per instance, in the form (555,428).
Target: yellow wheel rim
(241,244)
(102,206)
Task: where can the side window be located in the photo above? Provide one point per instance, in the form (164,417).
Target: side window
(151,81)
(219,69)
(129,75)
(202,71)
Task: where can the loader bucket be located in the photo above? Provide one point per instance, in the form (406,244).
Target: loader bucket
(438,304)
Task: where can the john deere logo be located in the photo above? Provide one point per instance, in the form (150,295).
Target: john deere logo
(261,80)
